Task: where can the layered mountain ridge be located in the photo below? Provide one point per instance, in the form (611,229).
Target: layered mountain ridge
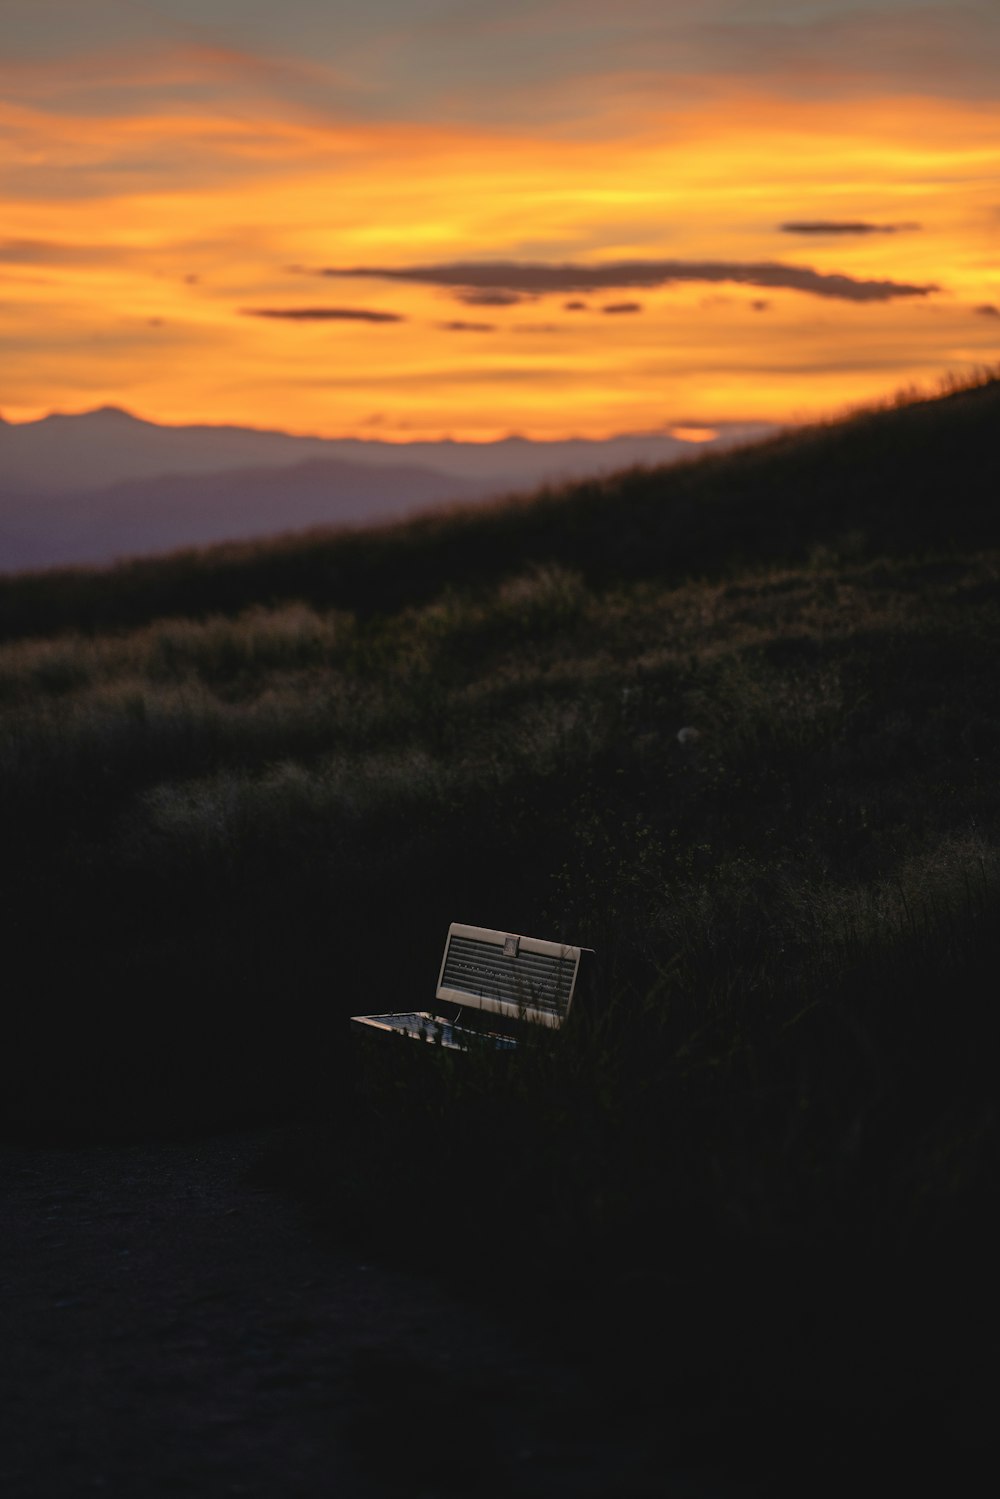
(94,487)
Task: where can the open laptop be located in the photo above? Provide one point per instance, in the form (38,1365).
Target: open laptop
(490,985)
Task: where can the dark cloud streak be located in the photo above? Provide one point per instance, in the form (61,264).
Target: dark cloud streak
(492,299)
(43,252)
(834,226)
(532,278)
(324,314)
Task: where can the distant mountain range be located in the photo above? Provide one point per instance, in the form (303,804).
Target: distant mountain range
(104,484)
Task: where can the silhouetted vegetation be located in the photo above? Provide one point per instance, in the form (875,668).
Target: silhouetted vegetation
(246,790)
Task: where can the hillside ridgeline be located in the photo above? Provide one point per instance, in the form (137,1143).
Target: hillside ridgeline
(917,477)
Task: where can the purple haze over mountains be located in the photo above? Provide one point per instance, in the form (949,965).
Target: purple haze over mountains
(89,489)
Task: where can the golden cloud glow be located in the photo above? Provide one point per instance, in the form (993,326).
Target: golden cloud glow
(134,242)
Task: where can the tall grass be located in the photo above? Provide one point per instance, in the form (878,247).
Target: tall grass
(221,813)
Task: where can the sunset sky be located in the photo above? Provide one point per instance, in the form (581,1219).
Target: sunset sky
(422,218)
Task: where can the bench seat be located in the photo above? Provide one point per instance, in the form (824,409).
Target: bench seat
(436,1029)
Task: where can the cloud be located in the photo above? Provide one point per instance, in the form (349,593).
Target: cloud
(492,299)
(622,307)
(453,378)
(986,309)
(105,81)
(57,252)
(324,314)
(412,59)
(534,278)
(846,226)
(461,327)
(760,305)
(576,306)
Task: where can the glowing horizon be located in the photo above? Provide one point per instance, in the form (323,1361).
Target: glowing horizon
(169,212)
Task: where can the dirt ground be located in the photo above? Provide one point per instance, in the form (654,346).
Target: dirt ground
(169,1328)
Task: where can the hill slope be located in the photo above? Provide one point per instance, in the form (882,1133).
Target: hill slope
(920,476)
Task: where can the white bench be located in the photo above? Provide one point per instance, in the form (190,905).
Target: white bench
(490,987)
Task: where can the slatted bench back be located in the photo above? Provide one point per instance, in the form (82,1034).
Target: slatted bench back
(522,978)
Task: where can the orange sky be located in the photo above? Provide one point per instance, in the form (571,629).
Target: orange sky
(165,213)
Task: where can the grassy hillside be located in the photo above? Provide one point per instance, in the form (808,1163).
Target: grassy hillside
(227,776)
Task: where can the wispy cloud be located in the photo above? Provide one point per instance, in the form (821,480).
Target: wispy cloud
(324,314)
(987,309)
(414,59)
(175,74)
(538,278)
(459,326)
(492,299)
(622,307)
(843,226)
(59,253)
